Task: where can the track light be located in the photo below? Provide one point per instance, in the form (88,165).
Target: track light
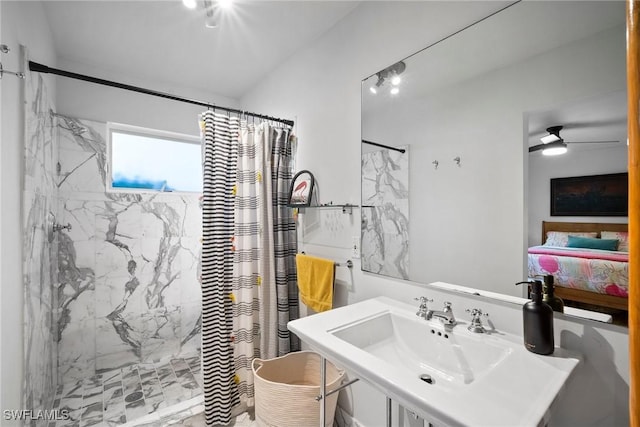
(190,4)
(392,74)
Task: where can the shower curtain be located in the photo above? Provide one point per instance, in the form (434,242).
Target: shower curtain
(220,152)
(262,289)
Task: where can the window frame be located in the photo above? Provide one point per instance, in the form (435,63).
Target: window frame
(148,133)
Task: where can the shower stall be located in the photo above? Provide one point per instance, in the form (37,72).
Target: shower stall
(112,294)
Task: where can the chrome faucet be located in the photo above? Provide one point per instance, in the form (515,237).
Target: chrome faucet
(423,310)
(445,316)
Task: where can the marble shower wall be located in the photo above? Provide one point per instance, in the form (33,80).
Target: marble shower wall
(128,289)
(39,255)
(385,213)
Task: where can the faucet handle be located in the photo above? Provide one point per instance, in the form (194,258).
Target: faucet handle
(423,309)
(476,320)
(447,307)
(423,300)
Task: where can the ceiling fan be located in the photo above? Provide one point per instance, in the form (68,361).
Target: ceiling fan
(553,144)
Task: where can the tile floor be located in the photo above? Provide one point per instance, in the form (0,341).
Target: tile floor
(118,397)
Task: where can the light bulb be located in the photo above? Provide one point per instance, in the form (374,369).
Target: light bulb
(395,80)
(394,91)
(373,89)
(190,4)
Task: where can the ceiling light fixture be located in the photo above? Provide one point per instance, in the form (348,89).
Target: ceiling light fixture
(225,4)
(392,74)
(555,148)
(210,21)
(554,135)
(190,4)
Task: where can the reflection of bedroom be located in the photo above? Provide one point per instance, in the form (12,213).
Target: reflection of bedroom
(587,255)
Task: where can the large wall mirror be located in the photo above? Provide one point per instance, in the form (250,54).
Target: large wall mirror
(457,196)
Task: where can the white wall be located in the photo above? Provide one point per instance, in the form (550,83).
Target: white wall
(90,101)
(320,88)
(595,161)
(23,23)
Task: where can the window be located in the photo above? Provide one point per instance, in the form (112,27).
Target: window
(151,160)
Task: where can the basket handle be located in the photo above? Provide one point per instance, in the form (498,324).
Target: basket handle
(256,364)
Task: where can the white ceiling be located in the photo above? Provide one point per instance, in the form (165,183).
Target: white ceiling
(165,41)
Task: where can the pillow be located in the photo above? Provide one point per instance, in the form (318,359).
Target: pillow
(621,236)
(560,238)
(590,243)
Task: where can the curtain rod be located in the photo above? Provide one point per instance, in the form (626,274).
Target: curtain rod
(39,68)
(402,150)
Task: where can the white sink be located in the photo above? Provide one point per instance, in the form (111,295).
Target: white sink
(424,348)
(471,379)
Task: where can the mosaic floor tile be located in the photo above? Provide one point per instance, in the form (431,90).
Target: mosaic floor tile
(119,397)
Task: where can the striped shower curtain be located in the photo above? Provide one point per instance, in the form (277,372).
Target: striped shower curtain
(219,172)
(248,267)
(265,288)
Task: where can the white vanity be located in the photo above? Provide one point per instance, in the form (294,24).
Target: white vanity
(444,373)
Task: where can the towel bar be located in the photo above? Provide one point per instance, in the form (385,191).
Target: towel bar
(348,263)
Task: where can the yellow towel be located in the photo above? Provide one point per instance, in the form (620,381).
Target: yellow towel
(315,281)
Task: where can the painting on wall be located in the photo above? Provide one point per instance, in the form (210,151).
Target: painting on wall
(301,191)
(593,195)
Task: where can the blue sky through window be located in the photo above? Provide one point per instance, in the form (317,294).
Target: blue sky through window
(154,163)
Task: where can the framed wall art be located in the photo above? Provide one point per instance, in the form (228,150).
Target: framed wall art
(593,195)
(301,190)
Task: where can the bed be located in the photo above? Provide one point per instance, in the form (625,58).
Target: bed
(590,271)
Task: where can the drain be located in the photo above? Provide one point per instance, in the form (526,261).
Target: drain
(136,395)
(427,378)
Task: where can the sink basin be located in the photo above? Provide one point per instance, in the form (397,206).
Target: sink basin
(448,376)
(425,348)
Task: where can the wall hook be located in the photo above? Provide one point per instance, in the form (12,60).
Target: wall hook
(435,164)
(457,160)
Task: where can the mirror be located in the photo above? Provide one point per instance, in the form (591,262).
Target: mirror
(466,110)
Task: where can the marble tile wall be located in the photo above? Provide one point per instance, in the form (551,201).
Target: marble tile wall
(385,213)
(39,198)
(128,290)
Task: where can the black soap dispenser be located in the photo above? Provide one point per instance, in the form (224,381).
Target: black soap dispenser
(537,317)
(549,297)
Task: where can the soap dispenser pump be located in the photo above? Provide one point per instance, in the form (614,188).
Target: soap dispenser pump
(537,317)
(549,296)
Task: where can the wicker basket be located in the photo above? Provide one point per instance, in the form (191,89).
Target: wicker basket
(286,389)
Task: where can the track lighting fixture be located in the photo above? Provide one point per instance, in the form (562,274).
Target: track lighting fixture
(210,8)
(392,74)
(190,4)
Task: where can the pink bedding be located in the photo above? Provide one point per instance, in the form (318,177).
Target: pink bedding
(604,272)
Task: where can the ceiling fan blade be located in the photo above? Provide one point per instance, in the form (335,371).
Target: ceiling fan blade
(591,142)
(537,147)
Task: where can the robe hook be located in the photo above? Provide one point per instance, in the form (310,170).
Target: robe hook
(457,160)
(435,164)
